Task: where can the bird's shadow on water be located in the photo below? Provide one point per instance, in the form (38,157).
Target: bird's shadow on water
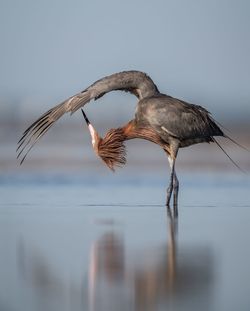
(115,276)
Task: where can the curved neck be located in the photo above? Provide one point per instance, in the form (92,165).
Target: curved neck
(132,130)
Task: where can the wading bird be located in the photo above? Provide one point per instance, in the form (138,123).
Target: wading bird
(168,122)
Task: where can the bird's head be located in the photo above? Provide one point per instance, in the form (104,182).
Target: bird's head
(111,148)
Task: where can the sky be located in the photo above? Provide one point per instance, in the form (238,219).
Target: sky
(196,50)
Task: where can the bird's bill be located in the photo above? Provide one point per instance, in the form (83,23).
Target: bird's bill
(85,117)
(93,133)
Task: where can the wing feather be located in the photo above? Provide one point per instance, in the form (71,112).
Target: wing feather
(135,82)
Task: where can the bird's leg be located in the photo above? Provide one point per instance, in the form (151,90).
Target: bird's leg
(176,191)
(173,184)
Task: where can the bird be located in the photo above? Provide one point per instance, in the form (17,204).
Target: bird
(159,118)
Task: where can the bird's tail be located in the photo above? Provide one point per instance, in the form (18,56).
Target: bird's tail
(232,140)
(227,136)
(224,151)
(236,143)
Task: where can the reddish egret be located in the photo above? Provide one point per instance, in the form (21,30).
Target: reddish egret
(168,122)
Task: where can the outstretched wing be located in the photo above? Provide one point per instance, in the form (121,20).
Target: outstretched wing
(135,82)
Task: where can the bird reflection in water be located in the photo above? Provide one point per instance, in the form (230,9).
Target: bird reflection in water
(120,277)
(106,272)
(154,279)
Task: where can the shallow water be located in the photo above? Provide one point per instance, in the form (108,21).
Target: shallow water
(69,242)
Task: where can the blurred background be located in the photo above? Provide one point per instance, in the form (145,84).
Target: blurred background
(74,236)
(194,50)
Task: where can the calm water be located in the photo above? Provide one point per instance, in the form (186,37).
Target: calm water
(108,243)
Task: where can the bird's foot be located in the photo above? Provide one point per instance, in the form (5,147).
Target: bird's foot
(175,199)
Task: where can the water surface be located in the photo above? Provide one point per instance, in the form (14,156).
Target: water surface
(70,242)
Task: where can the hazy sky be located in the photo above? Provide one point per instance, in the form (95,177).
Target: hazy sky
(197,50)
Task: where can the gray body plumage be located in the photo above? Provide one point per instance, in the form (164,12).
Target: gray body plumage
(174,118)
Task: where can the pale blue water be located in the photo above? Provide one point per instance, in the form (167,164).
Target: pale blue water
(94,242)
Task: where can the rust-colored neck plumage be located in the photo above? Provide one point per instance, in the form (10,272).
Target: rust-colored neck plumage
(111,148)
(132,130)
